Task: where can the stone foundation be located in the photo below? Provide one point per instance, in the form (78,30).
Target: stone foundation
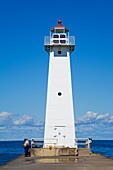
(53,152)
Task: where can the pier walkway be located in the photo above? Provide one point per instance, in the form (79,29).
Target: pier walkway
(92,162)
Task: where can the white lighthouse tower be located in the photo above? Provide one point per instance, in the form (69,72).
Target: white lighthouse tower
(59,122)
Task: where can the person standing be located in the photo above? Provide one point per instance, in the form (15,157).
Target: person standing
(88,143)
(32,143)
(26,147)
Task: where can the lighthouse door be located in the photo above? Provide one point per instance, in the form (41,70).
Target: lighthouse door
(60,135)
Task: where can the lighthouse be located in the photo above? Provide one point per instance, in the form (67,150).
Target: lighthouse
(59,118)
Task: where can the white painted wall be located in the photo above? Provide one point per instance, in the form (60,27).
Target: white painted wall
(59,123)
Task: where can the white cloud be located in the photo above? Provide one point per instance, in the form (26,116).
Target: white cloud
(14,127)
(5,114)
(90,115)
(111,119)
(88,118)
(90,124)
(5,118)
(103,117)
(25,120)
(94,125)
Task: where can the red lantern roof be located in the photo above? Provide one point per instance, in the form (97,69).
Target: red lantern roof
(59,26)
(59,23)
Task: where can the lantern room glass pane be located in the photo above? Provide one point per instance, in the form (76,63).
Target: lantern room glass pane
(55,36)
(62,41)
(62,36)
(55,41)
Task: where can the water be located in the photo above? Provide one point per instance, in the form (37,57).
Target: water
(104,147)
(9,150)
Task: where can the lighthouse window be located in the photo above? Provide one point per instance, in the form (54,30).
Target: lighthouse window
(59,94)
(59,52)
(55,36)
(55,41)
(62,36)
(62,41)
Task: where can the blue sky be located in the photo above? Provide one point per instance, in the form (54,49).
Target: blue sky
(24,65)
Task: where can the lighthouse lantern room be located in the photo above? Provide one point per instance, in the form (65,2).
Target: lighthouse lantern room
(59,120)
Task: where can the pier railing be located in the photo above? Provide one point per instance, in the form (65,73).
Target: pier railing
(80,142)
(83,142)
(38,142)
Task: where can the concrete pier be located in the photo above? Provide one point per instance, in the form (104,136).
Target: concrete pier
(91,162)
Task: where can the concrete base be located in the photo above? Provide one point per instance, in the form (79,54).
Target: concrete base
(84,151)
(53,152)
